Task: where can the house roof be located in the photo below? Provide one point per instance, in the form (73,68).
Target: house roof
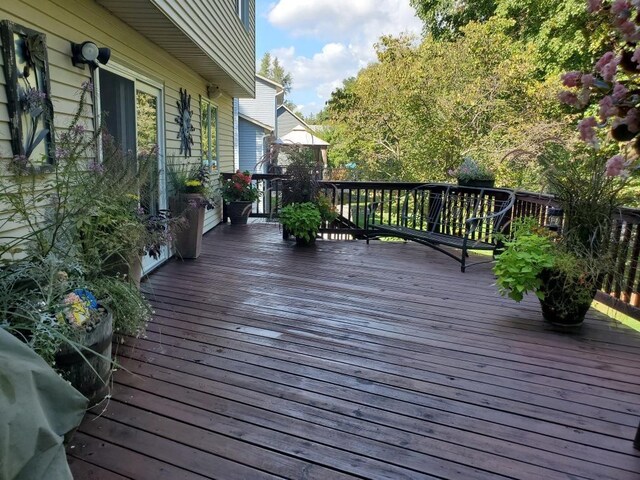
(268,128)
(300,121)
(300,136)
(277,86)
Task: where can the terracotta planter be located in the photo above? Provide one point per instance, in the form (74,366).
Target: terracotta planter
(189,239)
(90,375)
(238,212)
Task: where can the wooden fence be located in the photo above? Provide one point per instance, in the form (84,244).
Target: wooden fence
(620,290)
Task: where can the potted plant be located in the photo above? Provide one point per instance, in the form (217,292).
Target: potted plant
(75,219)
(302,220)
(472,174)
(191,194)
(239,193)
(536,260)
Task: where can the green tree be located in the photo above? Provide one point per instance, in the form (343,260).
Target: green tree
(414,113)
(271,68)
(564,36)
(444,18)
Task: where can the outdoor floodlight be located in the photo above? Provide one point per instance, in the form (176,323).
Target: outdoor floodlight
(89,53)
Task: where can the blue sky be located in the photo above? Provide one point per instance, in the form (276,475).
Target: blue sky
(322,42)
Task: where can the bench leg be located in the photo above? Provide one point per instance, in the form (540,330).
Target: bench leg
(462,260)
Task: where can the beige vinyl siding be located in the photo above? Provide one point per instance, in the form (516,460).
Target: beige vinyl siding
(64,21)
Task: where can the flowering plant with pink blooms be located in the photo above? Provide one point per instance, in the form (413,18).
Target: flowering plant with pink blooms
(239,188)
(610,94)
(590,180)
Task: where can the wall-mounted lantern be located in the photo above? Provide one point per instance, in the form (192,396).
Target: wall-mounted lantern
(88,53)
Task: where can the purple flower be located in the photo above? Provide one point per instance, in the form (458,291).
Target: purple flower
(616,166)
(621,8)
(571,79)
(62,152)
(568,98)
(95,167)
(636,55)
(587,129)
(607,108)
(594,5)
(619,92)
(78,129)
(588,80)
(87,86)
(607,66)
(632,120)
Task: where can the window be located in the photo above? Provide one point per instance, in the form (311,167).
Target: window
(242,9)
(208,133)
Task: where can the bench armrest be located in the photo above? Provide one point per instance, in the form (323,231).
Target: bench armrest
(494,218)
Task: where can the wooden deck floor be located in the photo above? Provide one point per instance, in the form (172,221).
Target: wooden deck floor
(265,360)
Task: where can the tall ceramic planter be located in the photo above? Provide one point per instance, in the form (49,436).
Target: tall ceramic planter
(90,372)
(238,212)
(189,239)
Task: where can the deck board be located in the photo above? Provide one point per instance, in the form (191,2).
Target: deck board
(347,360)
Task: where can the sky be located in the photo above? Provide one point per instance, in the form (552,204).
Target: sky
(322,42)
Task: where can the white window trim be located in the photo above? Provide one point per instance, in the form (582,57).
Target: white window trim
(213,157)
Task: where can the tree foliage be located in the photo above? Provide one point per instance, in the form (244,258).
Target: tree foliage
(560,29)
(423,105)
(271,68)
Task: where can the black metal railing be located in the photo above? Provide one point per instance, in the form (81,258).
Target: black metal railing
(620,290)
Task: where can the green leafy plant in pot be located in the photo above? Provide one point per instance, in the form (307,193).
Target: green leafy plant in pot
(536,260)
(302,220)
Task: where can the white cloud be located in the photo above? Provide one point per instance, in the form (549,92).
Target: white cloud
(349,28)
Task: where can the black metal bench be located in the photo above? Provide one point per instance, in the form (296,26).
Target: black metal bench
(440,215)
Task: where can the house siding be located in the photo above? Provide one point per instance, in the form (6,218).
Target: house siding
(215,26)
(287,122)
(263,107)
(64,21)
(251,146)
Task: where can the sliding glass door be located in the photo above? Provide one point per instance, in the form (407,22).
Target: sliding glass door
(132,113)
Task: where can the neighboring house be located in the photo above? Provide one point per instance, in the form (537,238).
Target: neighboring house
(257,126)
(159,48)
(287,121)
(293,130)
(302,137)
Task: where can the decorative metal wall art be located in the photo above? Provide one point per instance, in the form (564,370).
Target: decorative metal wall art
(26,70)
(185,114)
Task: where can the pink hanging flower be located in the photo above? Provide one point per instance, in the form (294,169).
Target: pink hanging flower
(571,79)
(587,129)
(568,98)
(616,166)
(619,7)
(594,5)
(636,55)
(607,66)
(619,92)
(607,108)
(588,80)
(632,120)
